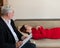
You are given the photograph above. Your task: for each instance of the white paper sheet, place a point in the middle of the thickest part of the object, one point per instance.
(25, 40)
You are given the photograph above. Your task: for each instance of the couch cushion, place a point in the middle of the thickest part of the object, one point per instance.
(47, 42)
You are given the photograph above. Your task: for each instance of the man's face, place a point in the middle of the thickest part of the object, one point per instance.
(10, 15)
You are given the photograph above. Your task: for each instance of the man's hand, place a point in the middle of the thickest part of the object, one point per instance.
(18, 44)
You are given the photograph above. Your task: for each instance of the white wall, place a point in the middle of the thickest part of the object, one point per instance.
(36, 9)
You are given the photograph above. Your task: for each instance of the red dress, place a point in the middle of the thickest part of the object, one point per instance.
(40, 33)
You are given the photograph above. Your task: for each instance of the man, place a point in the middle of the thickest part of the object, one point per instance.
(10, 37)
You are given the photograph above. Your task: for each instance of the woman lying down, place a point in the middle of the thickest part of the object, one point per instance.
(39, 32)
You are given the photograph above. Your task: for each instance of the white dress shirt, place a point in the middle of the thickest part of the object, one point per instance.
(11, 29)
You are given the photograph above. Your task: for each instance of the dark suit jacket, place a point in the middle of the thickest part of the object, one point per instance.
(6, 38)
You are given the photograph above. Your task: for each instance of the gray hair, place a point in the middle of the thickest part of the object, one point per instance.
(6, 9)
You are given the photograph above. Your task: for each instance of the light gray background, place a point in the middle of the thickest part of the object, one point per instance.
(36, 9)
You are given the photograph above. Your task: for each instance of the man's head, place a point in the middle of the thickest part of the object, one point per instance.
(7, 11)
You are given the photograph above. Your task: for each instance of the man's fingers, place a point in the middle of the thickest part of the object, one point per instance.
(20, 42)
